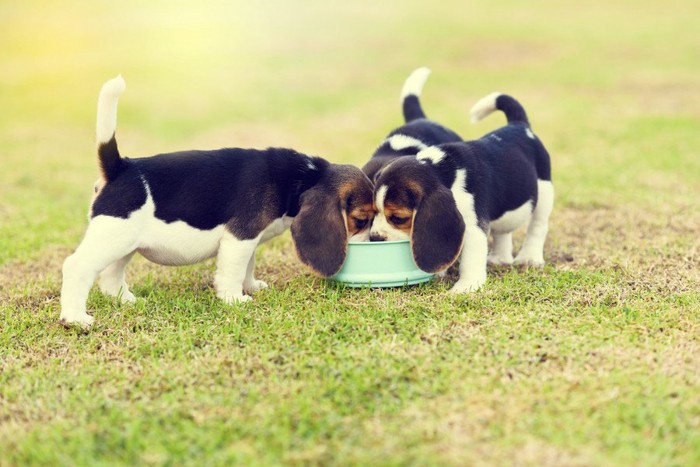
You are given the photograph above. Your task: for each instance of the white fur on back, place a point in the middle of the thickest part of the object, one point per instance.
(484, 107)
(399, 142)
(107, 108)
(414, 83)
(432, 153)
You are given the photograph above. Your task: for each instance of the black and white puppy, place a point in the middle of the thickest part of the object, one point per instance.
(417, 134)
(449, 197)
(182, 208)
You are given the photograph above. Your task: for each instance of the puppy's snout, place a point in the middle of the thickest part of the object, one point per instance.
(375, 237)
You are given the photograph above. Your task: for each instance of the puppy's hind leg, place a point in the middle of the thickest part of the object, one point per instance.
(502, 249)
(232, 267)
(113, 282)
(107, 240)
(532, 251)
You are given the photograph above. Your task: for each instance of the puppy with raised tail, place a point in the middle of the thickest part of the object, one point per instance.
(182, 208)
(418, 132)
(450, 197)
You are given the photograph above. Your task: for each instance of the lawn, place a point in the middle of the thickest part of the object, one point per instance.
(592, 360)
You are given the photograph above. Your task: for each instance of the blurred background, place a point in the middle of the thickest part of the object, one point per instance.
(612, 87)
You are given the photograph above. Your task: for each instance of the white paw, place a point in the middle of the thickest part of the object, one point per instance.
(530, 260)
(467, 286)
(500, 260)
(252, 287)
(233, 298)
(83, 319)
(122, 293)
(128, 297)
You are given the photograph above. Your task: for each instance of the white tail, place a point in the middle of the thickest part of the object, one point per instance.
(484, 107)
(107, 108)
(414, 83)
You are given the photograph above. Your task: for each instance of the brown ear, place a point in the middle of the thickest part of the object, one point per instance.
(438, 231)
(319, 232)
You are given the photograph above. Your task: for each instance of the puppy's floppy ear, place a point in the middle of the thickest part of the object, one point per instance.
(438, 231)
(319, 232)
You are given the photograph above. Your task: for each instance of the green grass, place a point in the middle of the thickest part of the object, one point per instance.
(594, 360)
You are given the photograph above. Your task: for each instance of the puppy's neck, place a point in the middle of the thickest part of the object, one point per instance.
(442, 169)
(295, 173)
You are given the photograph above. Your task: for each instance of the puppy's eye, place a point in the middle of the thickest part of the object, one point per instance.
(398, 220)
(361, 223)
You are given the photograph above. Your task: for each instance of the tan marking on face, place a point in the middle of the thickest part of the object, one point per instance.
(347, 188)
(360, 211)
(395, 215)
(359, 219)
(415, 187)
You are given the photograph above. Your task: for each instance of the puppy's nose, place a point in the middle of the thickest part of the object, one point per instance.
(375, 237)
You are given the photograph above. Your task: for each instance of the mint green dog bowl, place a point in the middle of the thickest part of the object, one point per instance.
(380, 264)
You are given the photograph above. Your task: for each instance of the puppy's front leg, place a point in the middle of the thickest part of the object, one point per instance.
(232, 267)
(251, 284)
(472, 263)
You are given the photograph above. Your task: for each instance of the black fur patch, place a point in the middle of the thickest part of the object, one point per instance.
(502, 169)
(438, 231)
(121, 196)
(412, 109)
(319, 232)
(514, 112)
(244, 188)
(110, 160)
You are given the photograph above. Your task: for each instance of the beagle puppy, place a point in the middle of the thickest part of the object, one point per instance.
(417, 134)
(450, 197)
(184, 207)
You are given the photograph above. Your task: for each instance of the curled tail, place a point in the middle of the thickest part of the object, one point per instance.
(515, 113)
(107, 150)
(410, 94)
